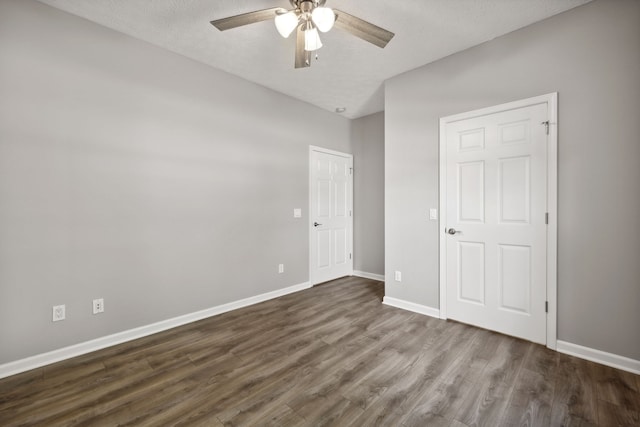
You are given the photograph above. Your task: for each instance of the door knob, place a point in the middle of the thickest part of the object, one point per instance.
(315, 224)
(453, 231)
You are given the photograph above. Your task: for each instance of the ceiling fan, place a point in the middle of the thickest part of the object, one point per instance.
(307, 17)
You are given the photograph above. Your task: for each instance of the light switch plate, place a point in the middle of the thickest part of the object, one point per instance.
(297, 213)
(433, 214)
(59, 313)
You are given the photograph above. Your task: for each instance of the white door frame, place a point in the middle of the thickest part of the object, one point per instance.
(551, 100)
(312, 148)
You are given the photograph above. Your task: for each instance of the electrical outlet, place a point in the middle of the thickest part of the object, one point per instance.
(59, 312)
(280, 268)
(398, 276)
(98, 306)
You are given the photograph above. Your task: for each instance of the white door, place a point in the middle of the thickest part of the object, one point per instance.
(331, 215)
(495, 225)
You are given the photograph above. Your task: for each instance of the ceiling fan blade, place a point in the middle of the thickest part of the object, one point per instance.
(303, 57)
(363, 29)
(245, 18)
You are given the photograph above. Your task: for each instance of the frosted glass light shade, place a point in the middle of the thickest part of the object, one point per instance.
(286, 23)
(324, 18)
(312, 40)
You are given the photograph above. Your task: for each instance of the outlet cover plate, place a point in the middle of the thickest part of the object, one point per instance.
(98, 306)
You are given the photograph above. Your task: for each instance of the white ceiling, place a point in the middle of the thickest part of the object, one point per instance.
(350, 72)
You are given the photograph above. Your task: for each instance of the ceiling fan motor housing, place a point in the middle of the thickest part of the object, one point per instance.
(307, 5)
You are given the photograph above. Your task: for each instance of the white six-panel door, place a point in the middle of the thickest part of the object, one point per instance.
(331, 215)
(495, 224)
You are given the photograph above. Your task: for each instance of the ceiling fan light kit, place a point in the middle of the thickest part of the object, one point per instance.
(286, 23)
(309, 16)
(311, 39)
(324, 18)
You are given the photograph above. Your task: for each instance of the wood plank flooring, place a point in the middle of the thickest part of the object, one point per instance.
(332, 355)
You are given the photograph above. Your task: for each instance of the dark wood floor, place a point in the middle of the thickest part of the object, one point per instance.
(331, 355)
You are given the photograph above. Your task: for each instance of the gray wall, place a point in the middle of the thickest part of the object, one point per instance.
(130, 173)
(368, 151)
(591, 56)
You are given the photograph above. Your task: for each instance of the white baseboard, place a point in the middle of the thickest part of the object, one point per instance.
(58, 355)
(33, 362)
(598, 356)
(411, 306)
(372, 276)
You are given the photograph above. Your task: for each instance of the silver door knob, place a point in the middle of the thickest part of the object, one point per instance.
(315, 224)
(453, 231)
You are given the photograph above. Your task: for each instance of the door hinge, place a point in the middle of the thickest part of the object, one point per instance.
(546, 123)
(546, 218)
(350, 171)
(349, 256)
(546, 306)
(350, 213)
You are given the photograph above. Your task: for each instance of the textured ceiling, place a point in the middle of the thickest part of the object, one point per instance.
(349, 72)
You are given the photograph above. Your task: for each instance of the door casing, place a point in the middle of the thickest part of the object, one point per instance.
(551, 100)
